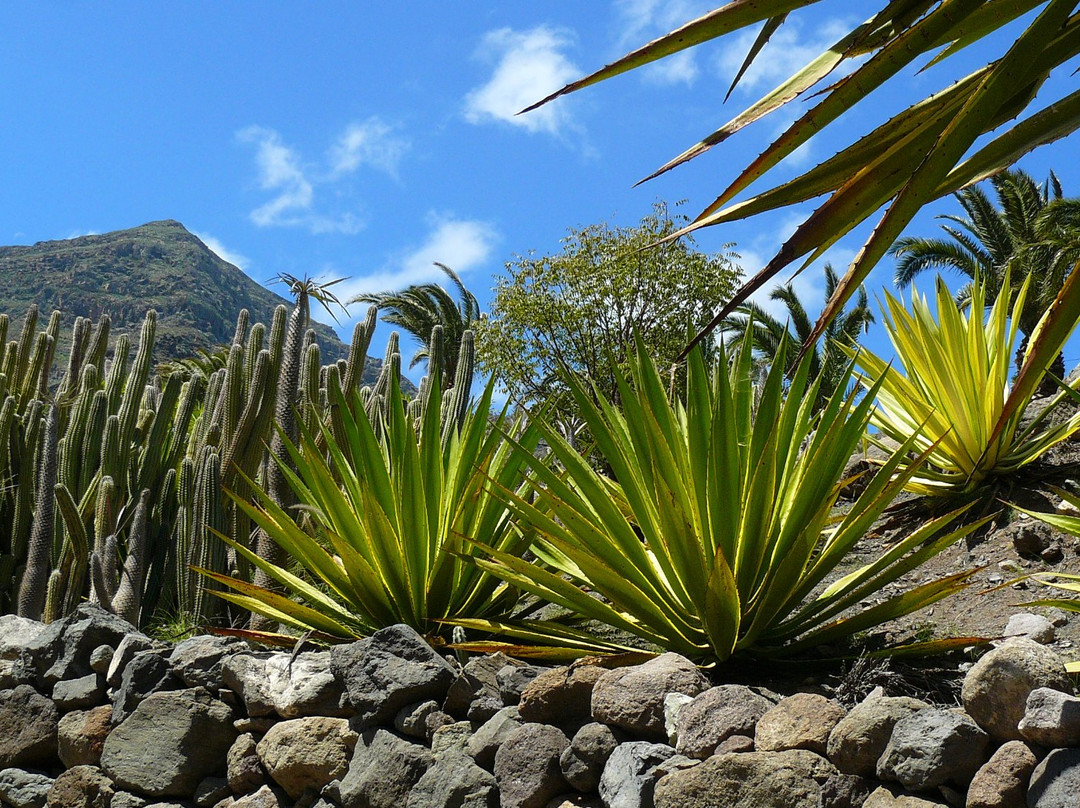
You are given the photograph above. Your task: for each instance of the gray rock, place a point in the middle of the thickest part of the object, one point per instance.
(170, 743)
(383, 771)
(1034, 627)
(630, 774)
(1051, 718)
(454, 782)
(796, 777)
(527, 766)
(129, 646)
(391, 668)
(81, 787)
(1056, 780)
(306, 687)
(263, 798)
(1003, 780)
(211, 791)
(243, 769)
(13, 674)
(489, 736)
(79, 694)
(801, 721)
(452, 739)
(197, 661)
(561, 696)
(125, 799)
(81, 736)
(306, 753)
(932, 748)
(22, 789)
(996, 688)
(28, 724)
(421, 720)
(147, 672)
(476, 689)
(1029, 537)
(512, 679)
(717, 714)
(62, 649)
(633, 698)
(245, 675)
(16, 633)
(101, 658)
(582, 763)
(857, 741)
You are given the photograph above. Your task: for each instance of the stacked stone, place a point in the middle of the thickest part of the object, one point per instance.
(94, 714)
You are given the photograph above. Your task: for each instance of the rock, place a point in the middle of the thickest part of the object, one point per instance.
(16, 633)
(1003, 780)
(474, 694)
(933, 747)
(197, 661)
(452, 739)
(787, 779)
(734, 743)
(996, 688)
(454, 782)
(717, 714)
(28, 724)
(79, 694)
(421, 720)
(148, 672)
(101, 658)
(263, 798)
(630, 774)
(125, 799)
(582, 763)
(1034, 627)
(485, 742)
(512, 679)
(858, 740)
(291, 687)
(1029, 537)
(560, 696)
(170, 743)
(383, 771)
(527, 766)
(883, 798)
(243, 769)
(61, 650)
(81, 787)
(211, 791)
(1051, 718)
(801, 721)
(131, 645)
(307, 752)
(633, 698)
(81, 736)
(391, 668)
(1056, 780)
(673, 704)
(245, 675)
(21, 789)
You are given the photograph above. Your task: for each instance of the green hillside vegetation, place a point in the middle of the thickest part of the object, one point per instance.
(160, 265)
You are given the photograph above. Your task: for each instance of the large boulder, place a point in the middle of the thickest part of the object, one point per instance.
(383, 770)
(996, 689)
(859, 738)
(718, 714)
(388, 670)
(170, 743)
(933, 748)
(292, 687)
(632, 698)
(28, 723)
(307, 753)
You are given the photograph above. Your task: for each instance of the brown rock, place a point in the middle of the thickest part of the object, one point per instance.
(307, 752)
(857, 741)
(633, 698)
(560, 696)
(81, 736)
(1002, 782)
(245, 772)
(81, 787)
(801, 721)
(883, 798)
(716, 715)
(27, 728)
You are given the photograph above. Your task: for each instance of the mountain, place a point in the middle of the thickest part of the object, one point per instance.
(160, 265)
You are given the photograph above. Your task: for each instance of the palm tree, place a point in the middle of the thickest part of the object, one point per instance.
(417, 309)
(1033, 230)
(766, 333)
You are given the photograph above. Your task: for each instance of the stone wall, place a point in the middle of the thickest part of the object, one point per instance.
(94, 714)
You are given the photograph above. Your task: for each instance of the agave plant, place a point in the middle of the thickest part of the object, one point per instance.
(383, 518)
(953, 397)
(719, 536)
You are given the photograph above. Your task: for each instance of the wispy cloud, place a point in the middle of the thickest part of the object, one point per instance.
(642, 20)
(528, 66)
(461, 244)
(292, 181)
(789, 50)
(223, 252)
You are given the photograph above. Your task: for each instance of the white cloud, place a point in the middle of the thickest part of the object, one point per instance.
(461, 244)
(371, 142)
(529, 66)
(650, 18)
(786, 52)
(293, 181)
(223, 252)
(681, 68)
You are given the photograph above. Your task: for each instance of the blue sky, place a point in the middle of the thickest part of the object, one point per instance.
(367, 140)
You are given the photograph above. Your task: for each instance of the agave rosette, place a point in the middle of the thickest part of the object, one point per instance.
(720, 533)
(951, 393)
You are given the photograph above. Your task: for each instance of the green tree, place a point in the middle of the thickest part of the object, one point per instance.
(417, 309)
(767, 333)
(1033, 230)
(581, 308)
